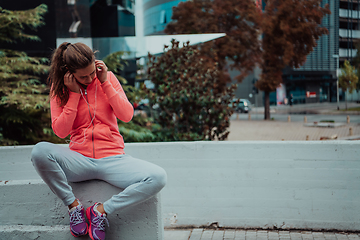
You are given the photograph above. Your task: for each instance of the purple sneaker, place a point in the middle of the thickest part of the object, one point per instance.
(78, 225)
(97, 223)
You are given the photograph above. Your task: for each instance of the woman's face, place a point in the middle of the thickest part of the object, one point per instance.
(86, 75)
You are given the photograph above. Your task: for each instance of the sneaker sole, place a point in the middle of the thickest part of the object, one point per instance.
(88, 217)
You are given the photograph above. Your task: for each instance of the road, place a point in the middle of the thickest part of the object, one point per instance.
(314, 112)
(283, 117)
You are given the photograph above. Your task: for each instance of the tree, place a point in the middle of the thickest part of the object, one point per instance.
(290, 30)
(238, 19)
(356, 62)
(23, 94)
(348, 78)
(19, 73)
(193, 104)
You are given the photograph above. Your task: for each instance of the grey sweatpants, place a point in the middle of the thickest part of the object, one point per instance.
(58, 165)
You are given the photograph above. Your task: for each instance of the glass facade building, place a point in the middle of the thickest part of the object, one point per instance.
(157, 14)
(317, 76)
(315, 81)
(104, 24)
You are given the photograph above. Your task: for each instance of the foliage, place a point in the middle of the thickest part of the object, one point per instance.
(24, 126)
(20, 74)
(290, 30)
(356, 62)
(238, 19)
(24, 107)
(193, 103)
(20, 80)
(138, 129)
(348, 78)
(116, 64)
(13, 23)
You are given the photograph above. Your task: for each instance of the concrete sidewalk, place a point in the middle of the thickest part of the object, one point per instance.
(243, 130)
(234, 234)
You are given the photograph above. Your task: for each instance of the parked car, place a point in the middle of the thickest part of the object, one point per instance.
(244, 106)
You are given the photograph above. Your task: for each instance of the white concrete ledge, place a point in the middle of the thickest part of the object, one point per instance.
(17, 232)
(258, 184)
(31, 203)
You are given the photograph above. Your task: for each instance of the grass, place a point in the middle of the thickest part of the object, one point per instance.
(328, 121)
(352, 109)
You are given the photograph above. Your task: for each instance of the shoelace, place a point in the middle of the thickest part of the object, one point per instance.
(100, 221)
(75, 216)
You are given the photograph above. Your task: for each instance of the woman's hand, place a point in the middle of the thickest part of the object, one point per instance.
(71, 83)
(101, 71)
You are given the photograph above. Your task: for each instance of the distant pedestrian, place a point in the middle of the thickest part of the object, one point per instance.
(86, 101)
(291, 100)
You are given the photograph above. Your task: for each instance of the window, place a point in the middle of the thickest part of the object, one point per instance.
(163, 17)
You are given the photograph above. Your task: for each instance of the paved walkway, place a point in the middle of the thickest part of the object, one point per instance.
(285, 131)
(241, 128)
(232, 234)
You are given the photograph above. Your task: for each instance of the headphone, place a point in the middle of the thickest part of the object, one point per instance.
(92, 120)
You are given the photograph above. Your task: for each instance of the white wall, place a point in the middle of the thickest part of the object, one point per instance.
(252, 184)
(303, 185)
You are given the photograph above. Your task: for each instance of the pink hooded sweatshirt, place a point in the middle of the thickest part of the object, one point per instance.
(91, 118)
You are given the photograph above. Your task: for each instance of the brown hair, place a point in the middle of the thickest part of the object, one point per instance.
(67, 57)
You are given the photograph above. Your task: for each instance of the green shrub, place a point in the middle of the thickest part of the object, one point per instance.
(192, 96)
(137, 131)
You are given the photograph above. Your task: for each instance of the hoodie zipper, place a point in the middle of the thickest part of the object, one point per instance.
(93, 125)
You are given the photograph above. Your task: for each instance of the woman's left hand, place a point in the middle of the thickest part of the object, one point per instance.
(101, 70)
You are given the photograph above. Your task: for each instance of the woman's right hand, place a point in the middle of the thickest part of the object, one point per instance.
(71, 83)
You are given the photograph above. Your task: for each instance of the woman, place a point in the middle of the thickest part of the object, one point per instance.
(86, 101)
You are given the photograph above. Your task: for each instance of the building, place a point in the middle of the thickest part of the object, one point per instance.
(157, 14)
(119, 25)
(316, 80)
(95, 23)
(106, 26)
(349, 35)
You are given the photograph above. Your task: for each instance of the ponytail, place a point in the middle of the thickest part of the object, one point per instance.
(67, 57)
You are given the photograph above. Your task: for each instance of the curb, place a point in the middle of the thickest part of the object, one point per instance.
(15, 232)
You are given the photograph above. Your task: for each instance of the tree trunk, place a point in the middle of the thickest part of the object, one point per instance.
(345, 102)
(267, 106)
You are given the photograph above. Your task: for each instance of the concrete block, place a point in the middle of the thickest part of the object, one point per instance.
(22, 232)
(259, 184)
(31, 203)
(240, 184)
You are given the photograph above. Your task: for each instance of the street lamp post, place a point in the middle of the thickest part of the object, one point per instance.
(337, 81)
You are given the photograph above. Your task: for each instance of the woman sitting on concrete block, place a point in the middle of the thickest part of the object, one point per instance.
(86, 101)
